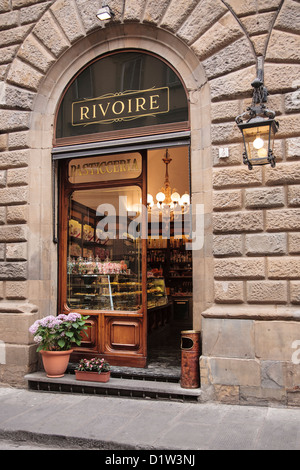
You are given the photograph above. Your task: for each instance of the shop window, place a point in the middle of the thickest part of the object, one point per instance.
(104, 249)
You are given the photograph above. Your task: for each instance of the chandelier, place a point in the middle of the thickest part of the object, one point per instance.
(166, 198)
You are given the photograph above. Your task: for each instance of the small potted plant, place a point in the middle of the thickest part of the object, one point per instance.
(95, 370)
(55, 337)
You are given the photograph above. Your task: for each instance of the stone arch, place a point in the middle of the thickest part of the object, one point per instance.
(116, 37)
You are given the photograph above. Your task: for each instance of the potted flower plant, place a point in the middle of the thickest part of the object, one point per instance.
(55, 337)
(95, 369)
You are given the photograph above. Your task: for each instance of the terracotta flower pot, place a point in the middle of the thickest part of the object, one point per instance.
(92, 376)
(56, 362)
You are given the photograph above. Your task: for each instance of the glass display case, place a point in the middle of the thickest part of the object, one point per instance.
(156, 292)
(114, 291)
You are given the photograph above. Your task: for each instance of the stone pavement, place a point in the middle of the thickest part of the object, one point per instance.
(78, 421)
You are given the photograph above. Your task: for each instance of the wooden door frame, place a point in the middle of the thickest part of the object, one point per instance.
(98, 344)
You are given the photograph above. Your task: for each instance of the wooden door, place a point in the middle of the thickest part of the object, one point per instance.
(104, 278)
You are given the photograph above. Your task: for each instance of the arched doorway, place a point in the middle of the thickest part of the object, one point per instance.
(105, 119)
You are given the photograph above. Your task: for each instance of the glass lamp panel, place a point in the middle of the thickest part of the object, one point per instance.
(257, 144)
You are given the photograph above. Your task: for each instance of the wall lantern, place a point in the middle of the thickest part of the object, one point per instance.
(258, 126)
(104, 13)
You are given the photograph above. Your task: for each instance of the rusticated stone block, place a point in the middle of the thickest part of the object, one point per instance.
(289, 17)
(15, 270)
(13, 196)
(227, 245)
(2, 178)
(16, 251)
(284, 173)
(237, 222)
(267, 292)
(2, 215)
(17, 158)
(294, 195)
(229, 292)
(292, 101)
(266, 244)
(36, 54)
(154, 11)
(294, 243)
(87, 12)
(225, 110)
(224, 200)
(221, 33)
(261, 24)
(239, 268)
(283, 219)
(17, 177)
(32, 13)
(17, 214)
(176, 12)
(16, 97)
(284, 268)
(293, 147)
(264, 197)
(133, 10)
(204, 15)
(236, 177)
(235, 155)
(16, 290)
(24, 75)
(233, 85)
(9, 20)
(18, 140)
(283, 47)
(225, 133)
(295, 292)
(7, 54)
(283, 76)
(13, 233)
(50, 35)
(13, 36)
(289, 125)
(11, 120)
(67, 16)
(240, 55)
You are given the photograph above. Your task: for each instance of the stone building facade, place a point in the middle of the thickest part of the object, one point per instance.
(246, 277)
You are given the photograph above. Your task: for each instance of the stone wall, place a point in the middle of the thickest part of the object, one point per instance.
(248, 275)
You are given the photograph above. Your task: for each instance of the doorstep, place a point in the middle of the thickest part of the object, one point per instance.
(121, 387)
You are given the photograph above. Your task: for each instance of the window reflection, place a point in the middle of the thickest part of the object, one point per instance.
(104, 249)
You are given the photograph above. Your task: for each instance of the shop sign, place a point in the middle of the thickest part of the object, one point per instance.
(105, 168)
(122, 106)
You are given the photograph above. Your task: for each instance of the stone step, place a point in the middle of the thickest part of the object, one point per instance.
(121, 387)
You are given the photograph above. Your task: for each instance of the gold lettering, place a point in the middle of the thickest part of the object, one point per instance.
(106, 109)
(85, 167)
(129, 106)
(153, 102)
(109, 163)
(78, 171)
(134, 165)
(73, 170)
(102, 170)
(114, 107)
(122, 165)
(83, 114)
(94, 111)
(116, 166)
(138, 105)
